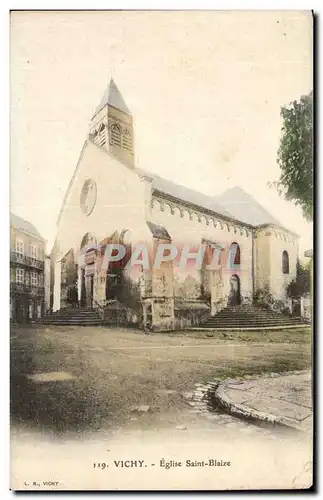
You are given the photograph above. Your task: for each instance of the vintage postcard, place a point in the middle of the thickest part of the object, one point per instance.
(161, 253)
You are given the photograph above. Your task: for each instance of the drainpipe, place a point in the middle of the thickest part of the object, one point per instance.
(147, 182)
(253, 264)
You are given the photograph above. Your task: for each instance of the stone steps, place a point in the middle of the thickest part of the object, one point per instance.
(252, 319)
(251, 323)
(73, 316)
(249, 316)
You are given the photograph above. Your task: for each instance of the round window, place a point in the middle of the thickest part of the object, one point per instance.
(88, 196)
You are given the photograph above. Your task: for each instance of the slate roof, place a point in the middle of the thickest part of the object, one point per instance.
(183, 193)
(244, 207)
(113, 97)
(234, 203)
(23, 225)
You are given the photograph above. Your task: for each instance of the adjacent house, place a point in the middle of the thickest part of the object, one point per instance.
(27, 265)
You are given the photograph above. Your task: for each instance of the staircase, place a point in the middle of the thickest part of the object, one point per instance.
(73, 316)
(250, 317)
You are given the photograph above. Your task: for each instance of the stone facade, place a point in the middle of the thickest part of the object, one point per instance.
(110, 200)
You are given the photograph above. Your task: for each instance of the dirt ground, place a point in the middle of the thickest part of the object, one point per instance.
(116, 370)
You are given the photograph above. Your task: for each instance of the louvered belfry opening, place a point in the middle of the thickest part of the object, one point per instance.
(127, 139)
(115, 134)
(111, 125)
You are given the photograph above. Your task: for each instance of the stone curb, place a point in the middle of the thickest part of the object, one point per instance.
(223, 401)
(213, 395)
(199, 398)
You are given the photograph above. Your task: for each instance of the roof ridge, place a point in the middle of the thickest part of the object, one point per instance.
(257, 216)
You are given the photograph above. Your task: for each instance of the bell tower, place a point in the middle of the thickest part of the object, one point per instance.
(111, 125)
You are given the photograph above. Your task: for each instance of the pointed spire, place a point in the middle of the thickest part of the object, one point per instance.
(113, 97)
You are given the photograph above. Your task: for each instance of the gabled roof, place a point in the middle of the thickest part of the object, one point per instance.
(23, 225)
(234, 203)
(244, 207)
(113, 97)
(183, 193)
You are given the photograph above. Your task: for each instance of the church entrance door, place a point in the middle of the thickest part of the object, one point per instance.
(234, 297)
(87, 288)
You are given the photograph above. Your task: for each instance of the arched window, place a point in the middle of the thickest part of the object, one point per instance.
(88, 240)
(115, 137)
(234, 254)
(285, 262)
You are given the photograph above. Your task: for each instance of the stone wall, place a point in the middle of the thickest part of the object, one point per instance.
(188, 226)
(117, 314)
(270, 243)
(190, 313)
(306, 308)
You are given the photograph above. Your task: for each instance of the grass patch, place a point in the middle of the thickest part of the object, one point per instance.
(295, 335)
(274, 365)
(45, 346)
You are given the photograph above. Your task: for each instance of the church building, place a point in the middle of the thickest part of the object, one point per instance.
(111, 200)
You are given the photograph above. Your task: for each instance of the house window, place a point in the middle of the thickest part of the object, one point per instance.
(20, 247)
(285, 262)
(20, 275)
(33, 252)
(34, 279)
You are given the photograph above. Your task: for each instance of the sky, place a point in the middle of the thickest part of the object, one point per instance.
(205, 89)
